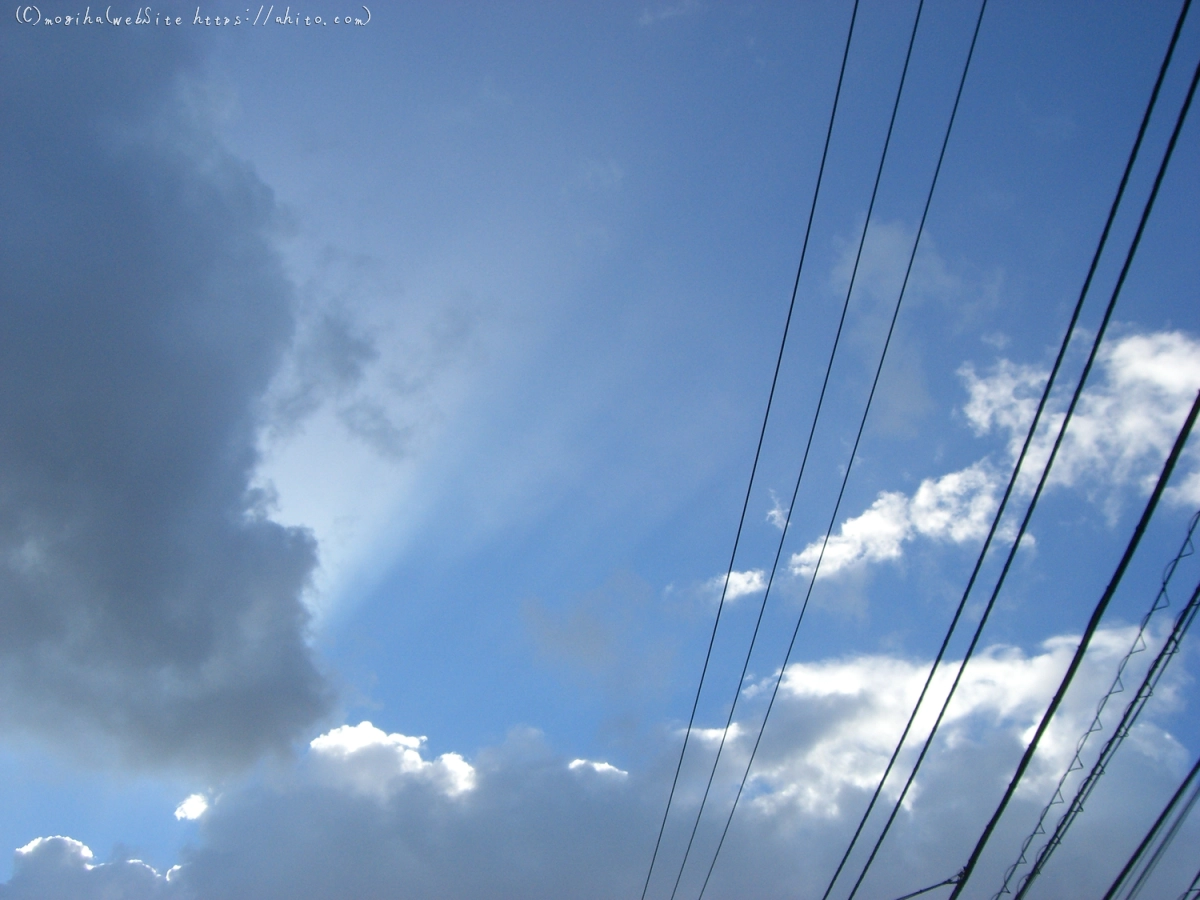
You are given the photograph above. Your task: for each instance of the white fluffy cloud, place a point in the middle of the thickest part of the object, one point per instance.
(956, 507)
(193, 807)
(601, 768)
(741, 584)
(372, 762)
(1003, 690)
(1121, 431)
(1124, 424)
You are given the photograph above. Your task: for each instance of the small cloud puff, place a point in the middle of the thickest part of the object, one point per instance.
(369, 761)
(714, 736)
(602, 767)
(777, 515)
(668, 11)
(740, 583)
(193, 807)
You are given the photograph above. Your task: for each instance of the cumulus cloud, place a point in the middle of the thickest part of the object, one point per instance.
(1119, 435)
(148, 600)
(860, 705)
(955, 508)
(1124, 425)
(366, 813)
(63, 867)
(372, 762)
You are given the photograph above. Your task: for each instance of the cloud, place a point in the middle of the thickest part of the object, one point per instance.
(777, 515)
(150, 606)
(956, 508)
(740, 584)
(371, 762)
(193, 807)
(601, 768)
(1124, 425)
(669, 11)
(56, 867)
(365, 813)
(1122, 430)
(860, 705)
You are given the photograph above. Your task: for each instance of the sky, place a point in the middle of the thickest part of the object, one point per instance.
(379, 400)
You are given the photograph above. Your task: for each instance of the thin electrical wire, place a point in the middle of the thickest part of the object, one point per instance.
(866, 411)
(758, 449)
(1165, 654)
(1158, 179)
(1132, 711)
(1067, 337)
(953, 879)
(1161, 601)
(1082, 380)
(1138, 853)
(1163, 845)
(816, 414)
(1193, 888)
(1089, 631)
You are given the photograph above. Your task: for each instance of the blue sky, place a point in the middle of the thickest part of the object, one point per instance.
(410, 374)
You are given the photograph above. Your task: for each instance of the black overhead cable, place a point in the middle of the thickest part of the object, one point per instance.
(1044, 476)
(757, 452)
(808, 444)
(1183, 621)
(1193, 889)
(816, 415)
(1158, 179)
(866, 410)
(1123, 875)
(1088, 632)
(1163, 845)
(1025, 447)
(953, 879)
(811, 432)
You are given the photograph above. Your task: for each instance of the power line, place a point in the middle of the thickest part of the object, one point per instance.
(808, 445)
(1161, 601)
(1123, 875)
(866, 411)
(1089, 631)
(953, 879)
(1163, 845)
(1158, 179)
(1193, 889)
(1020, 458)
(1082, 380)
(757, 453)
(1169, 648)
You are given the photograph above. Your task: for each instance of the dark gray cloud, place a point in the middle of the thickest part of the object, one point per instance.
(147, 599)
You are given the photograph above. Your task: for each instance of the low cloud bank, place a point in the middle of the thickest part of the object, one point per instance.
(367, 813)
